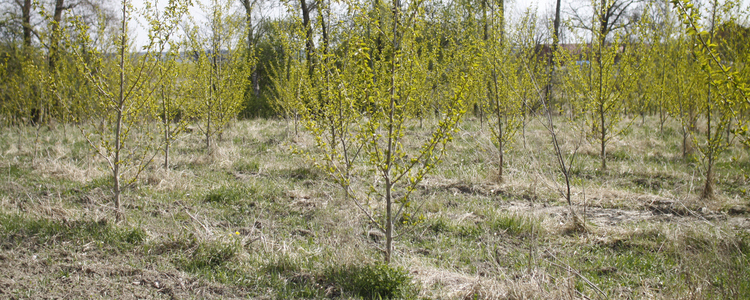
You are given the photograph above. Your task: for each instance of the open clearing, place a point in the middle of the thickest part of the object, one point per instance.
(256, 220)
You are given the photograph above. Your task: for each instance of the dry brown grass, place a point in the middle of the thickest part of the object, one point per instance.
(481, 238)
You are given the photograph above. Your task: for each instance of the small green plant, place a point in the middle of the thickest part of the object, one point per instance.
(440, 225)
(246, 166)
(100, 182)
(227, 194)
(513, 224)
(207, 256)
(469, 230)
(378, 281)
(304, 173)
(13, 171)
(80, 150)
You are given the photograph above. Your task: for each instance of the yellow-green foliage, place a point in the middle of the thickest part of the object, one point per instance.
(726, 91)
(125, 86)
(218, 71)
(601, 83)
(358, 103)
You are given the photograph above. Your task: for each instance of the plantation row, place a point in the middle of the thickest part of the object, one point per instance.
(355, 74)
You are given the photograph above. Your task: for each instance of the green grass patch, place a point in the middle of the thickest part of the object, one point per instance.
(301, 173)
(80, 150)
(229, 194)
(18, 230)
(101, 182)
(246, 166)
(207, 256)
(376, 281)
(440, 225)
(717, 266)
(513, 224)
(13, 171)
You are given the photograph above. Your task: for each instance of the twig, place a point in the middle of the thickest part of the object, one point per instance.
(574, 271)
(196, 219)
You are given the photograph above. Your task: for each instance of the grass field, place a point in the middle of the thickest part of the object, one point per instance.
(256, 220)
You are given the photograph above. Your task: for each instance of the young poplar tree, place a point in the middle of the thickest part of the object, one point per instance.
(220, 70)
(726, 87)
(360, 108)
(26, 100)
(662, 34)
(172, 102)
(535, 73)
(290, 80)
(603, 83)
(4, 92)
(500, 71)
(643, 40)
(682, 84)
(124, 93)
(672, 74)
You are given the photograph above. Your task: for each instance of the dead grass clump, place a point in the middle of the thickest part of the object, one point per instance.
(224, 155)
(607, 198)
(172, 180)
(715, 261)
(691, 205)
(575, 225)
(66, 169)
(94, 197)
(445, 284)
(53, 211)
(537, 284)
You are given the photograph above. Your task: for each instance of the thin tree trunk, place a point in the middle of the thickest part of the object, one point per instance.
(18, 143)
(708, 189)
(523, 127)
(296, 123)
(551, 62)
(485, 38)
(55, 35)
(662, 119)
(391, 139)
(54, 44)
(309, 45)
(389, 219)
(120, 108)
(166, 149)
(323, 30)
(547, 105)
(603, 138)
(208, 133)
(600, 97)
(36, 142)
(167, 139)
(254, 77)
(500, 142)
(499, 116)
(684, 142)
(26, 23)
